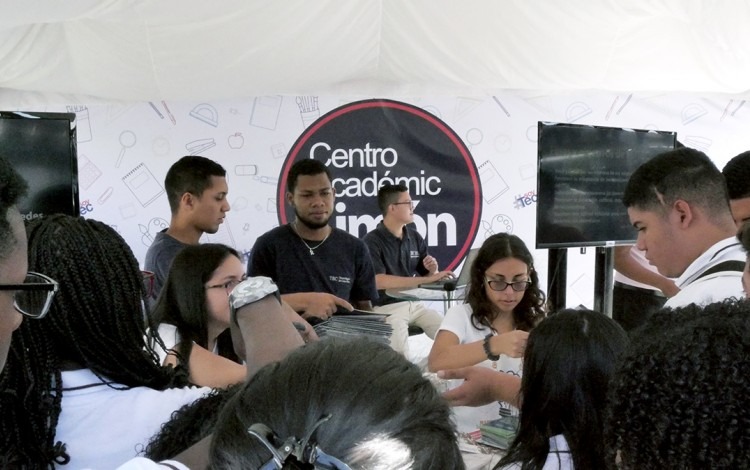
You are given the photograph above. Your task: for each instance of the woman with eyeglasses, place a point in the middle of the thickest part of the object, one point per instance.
(192, 312)
(503, 303)
(90, 343)
(84, 386)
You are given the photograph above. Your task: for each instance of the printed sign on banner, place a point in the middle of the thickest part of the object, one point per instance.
(366, 144)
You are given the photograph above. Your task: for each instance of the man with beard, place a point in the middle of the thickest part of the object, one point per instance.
(319, 269)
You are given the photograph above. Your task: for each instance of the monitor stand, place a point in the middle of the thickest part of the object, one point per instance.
(603, 279)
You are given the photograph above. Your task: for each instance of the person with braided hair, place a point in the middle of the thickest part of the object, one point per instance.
(68, 374)
(83, 386)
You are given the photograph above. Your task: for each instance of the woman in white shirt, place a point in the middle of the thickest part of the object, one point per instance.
(503, 303)
(82, 386)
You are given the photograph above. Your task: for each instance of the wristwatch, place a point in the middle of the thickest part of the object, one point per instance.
(250, 290)
(487, 350)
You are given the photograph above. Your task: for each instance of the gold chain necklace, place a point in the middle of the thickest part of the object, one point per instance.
(311, 248)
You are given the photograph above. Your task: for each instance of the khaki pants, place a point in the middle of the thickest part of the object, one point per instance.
(403, 314)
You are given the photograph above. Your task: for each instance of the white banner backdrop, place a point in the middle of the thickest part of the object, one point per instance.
(124, 152)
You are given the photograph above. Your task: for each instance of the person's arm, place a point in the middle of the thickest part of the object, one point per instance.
(626, 264)
(429, 264)
(308, 334)
(448, 353)
(262, 333)
(315, 304)
(481, 386)
(210, 370)
(389, 281)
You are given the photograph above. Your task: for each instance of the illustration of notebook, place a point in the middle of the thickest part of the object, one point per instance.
(141, 182)
(463, 277)
(493, 185)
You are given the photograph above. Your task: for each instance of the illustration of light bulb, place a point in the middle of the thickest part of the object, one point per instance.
(308, 109)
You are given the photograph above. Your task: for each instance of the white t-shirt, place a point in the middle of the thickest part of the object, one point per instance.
(170, 336)
(142, 463)
(559, 457)
(714, 287)
(104, 427)
(458, 321)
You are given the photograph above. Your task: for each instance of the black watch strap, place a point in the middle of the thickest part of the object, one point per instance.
(487, 350)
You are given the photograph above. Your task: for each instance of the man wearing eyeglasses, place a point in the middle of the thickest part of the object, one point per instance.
(399, 255)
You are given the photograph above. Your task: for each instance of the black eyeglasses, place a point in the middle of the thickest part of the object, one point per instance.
(411, 203)
(518, 286)
(34, 297)
(227, 286)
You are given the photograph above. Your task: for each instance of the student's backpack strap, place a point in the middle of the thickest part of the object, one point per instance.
(723, 266)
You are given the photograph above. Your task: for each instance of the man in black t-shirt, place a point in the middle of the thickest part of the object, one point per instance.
(319, 269)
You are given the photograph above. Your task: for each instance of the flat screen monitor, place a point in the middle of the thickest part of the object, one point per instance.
(581, 176)
(42, 148)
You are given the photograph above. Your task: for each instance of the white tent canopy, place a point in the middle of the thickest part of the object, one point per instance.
(138, 50)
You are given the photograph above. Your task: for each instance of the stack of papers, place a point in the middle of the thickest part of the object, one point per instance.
(422, 293)
(356, 323)
(499, 432)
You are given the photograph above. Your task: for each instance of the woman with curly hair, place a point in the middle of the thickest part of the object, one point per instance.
(680, 398)
(570, 358)
(503, 304)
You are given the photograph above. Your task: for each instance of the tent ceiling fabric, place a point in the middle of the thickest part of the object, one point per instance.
(140, 50)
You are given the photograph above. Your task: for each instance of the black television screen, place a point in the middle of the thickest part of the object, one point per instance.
(42, 148)
(581, 176)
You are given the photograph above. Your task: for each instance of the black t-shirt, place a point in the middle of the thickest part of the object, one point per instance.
(341, 266)
(396, 256)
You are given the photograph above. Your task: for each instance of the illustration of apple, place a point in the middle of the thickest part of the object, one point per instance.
(236, 141)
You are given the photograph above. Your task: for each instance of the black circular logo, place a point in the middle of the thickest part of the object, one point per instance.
(366, 144)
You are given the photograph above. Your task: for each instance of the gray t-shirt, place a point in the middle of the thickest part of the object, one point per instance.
(159, 258)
